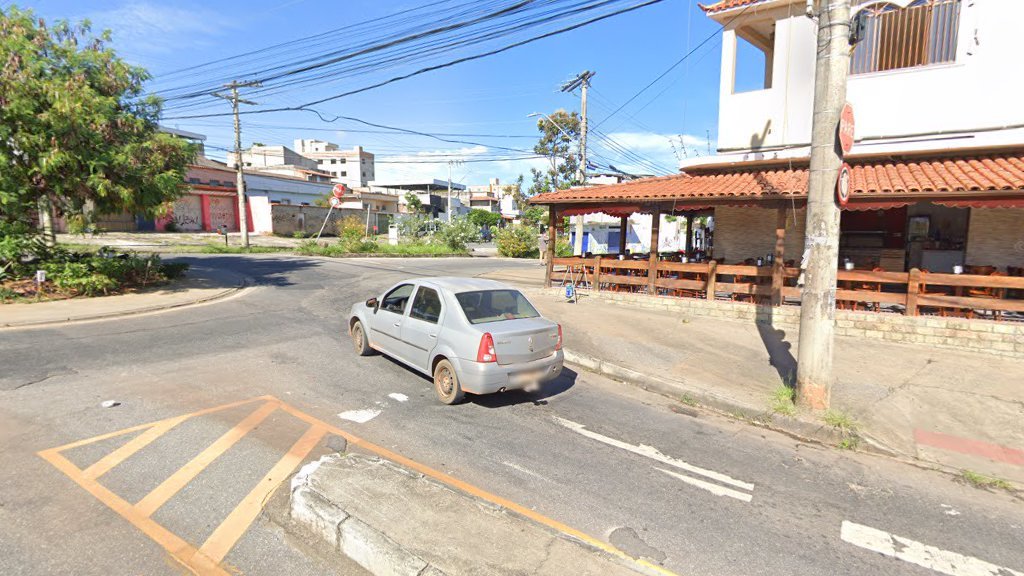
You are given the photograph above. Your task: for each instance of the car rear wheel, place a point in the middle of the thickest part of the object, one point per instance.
(359, 341)
(446, 383)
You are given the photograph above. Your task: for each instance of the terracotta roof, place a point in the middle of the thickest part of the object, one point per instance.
(727, 5)
(871, 178)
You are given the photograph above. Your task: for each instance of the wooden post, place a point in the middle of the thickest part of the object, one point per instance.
(913, 287)
(778, 264)
(712, 280)
(689, 235)
(552, 238)
(652, 265)
(597, 274)
(623, 228)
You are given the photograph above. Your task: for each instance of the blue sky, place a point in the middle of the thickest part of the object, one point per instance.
(489, 96)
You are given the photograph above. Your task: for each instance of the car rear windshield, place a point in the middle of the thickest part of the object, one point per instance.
(495, 305)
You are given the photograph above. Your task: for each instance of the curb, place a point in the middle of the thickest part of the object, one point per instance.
(244, 282)
(350, 536)
(794, 427)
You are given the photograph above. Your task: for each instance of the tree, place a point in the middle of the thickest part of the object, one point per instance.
(76, 129)
(535, 216)
(559, 142)
(413, 203)
(481, 218)
(515, 189)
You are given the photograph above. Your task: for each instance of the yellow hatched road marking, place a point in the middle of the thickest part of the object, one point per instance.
(205, 561)
(230, 530)
(151, 502)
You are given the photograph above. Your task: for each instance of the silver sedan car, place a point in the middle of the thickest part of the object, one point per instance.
(470, 335)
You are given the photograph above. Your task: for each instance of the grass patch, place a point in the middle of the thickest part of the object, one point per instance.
(338, 249)
(841, 420)
(781, 401)
(222, 249)
(849, 443)
(981, 481)
(688, 400)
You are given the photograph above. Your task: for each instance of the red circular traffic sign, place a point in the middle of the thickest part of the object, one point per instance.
(339, 190)
(843, 185)
(846, 128)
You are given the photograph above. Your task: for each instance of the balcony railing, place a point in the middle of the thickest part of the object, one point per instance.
(921, 34)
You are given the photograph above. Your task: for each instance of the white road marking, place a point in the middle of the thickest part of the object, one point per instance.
(949, 510)
(713, 488)
(360, 416)
(398, 396)
(654, 454)
(528, 472)
(930, 557)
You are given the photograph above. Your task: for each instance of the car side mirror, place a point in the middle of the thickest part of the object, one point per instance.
(372, 303)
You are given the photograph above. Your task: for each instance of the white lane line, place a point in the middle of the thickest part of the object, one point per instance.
(526, 471)
(713, 488)
(920, 554)
(654, 454)
(398, 396)
(360, 416)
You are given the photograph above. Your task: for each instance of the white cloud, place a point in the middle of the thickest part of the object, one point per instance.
(147, 28)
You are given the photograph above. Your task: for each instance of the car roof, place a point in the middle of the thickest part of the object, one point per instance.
(456, 284)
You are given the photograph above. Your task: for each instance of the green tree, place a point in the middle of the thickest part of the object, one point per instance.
(76, 129)
(535, 215)
(481, 218)
(413, 203)
(559, 143)
(515, 189)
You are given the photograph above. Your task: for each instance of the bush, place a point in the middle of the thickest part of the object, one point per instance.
(457, 233)
(563, 248)
(517, 242)
(18, 242)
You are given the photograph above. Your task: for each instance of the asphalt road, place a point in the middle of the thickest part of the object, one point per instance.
(693, 491)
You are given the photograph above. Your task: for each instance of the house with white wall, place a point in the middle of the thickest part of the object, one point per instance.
(353, 168)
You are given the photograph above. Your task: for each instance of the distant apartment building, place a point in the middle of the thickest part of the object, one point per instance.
(353, 168)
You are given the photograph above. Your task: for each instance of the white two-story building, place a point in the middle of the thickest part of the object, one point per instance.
(938, 160)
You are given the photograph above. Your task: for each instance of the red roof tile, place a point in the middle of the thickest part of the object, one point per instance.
(870, 178)
(727, 5)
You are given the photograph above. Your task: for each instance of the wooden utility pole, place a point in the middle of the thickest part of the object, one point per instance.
(582, 81)
(243, 219)
(818, 300)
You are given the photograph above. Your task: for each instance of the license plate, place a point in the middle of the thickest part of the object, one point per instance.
(527, 377)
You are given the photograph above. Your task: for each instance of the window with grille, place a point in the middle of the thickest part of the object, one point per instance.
(923, 33)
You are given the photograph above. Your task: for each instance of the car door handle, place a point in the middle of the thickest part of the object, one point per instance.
(434, 336)
(397, 324)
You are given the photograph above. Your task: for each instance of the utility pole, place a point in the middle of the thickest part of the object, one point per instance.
(582, 81)
(818, 300)
(450, 164)
(243, 219)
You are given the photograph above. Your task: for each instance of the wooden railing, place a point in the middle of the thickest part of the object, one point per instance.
(914, 290)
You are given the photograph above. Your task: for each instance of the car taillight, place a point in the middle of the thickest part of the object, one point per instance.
(485, 353)
(558, 345)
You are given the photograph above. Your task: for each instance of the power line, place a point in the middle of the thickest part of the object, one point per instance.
(442, 65)
(673, 66)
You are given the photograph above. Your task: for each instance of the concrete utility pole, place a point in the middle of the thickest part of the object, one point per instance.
(818, 300)
(243, 219)
(582, 81)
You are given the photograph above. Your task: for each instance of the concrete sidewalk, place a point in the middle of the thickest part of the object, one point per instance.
(200, 284)
(393, 521)
(958, 409)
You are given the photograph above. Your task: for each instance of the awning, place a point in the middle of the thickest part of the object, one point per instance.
(969, 180)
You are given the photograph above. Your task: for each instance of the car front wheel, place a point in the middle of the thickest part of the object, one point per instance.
(446, 383)
(359, 341)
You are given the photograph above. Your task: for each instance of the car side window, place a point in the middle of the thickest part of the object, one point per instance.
(396, 300)
(426, 305)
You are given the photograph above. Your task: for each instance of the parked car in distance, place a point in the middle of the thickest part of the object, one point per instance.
(468, 334)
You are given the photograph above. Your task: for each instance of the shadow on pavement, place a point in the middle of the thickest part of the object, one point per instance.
(547, 390)
(265, 271)
(779, 354)
(565, 381)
